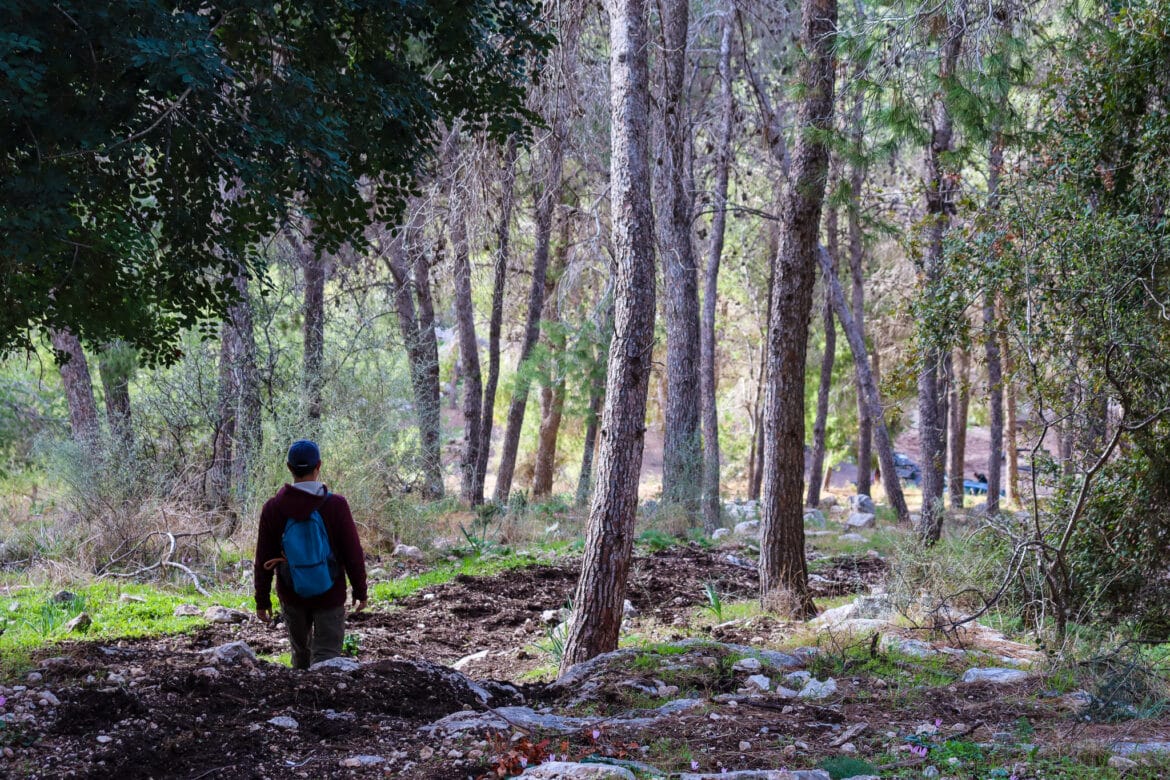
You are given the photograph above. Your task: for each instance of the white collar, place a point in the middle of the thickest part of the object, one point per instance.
(312, 487)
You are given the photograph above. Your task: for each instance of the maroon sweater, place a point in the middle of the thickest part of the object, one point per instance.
(290, 502)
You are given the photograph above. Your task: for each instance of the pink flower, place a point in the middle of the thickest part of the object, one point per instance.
(523, 760)
(694, 764)
(596, 734)
(3, 701)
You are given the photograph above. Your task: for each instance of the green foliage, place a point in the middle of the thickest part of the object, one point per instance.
(714, 601)
(840, 767)
(351, 645)
(151, 144)
(656, 540)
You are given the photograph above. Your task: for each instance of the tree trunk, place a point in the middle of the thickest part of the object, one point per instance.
(552, 406)
(430, 410)
(470, 487)
(116, 368)
(783, 568)
(1011, 440)
(546, 200)
(682, 462)
(708, 379)
(869, 383)
(857, 275)
(83, 416)
(223, 444)
(423, 376)
(995, 387)
(313, 264)
(960, 399)
(941, 185)
(249, 427)
(756, 481)
(585, 480)
(609, 537)
(500, 273)
(816, 469)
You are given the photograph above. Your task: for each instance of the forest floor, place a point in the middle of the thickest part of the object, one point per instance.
(860, 691)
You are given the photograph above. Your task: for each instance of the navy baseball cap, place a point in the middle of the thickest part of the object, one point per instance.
(303, 454)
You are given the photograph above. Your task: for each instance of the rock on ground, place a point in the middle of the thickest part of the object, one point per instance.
(232, 652)
(861, 520)
(406, 551)
(748, 528)
(566, 770)
(720, 533)
(993, 675)
(862, 503)
(225, 615)
(338, 664)
(761, 774)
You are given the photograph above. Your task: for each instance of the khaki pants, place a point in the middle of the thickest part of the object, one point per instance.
(315, 634)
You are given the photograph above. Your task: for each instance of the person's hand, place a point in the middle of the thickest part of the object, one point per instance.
(264, 615)
(358, 606)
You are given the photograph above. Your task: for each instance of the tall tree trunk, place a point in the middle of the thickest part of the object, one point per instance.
(116, 365)
(960, 399)
(313, 264)
(398, 260)
(223, 445)
(552, 406)
(609, 537)
(756, 482)
(249, 428)
(470, 488)
(869, 384)
(585, 480)
(941, 188)
(708, 379)
(682, 461)
(500, 273)
(857, 275)
(547, 197)
(83, 415)
(816, 468)
(430, 404)
(1011, 439)
(995, 387)
(783, 568)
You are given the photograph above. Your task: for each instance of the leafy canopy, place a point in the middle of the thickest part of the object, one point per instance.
(147, 146)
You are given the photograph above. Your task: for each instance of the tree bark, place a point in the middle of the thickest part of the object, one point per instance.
(783, 568)
(249, 428)
(816, 469)
(116, 368)
(755, 484)
(430, 407)
(960, 399)
(995, 389)
(1011, 440)
(552, 406)
(503, 229)
(941, 184)
(682, 462)
(585, 479)
(609, 538)
(547, 198)
(423, 381)
(223, 445)
(83, 416)
(869, 383)
(708, 379)
(470, 487)
(857, 275)
(314, 267)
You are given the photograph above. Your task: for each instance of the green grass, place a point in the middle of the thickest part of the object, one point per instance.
(33, 622)
(474, 566)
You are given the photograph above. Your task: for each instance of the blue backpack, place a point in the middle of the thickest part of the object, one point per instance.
(309, 566)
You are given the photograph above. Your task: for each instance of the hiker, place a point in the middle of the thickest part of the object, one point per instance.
(308, 537)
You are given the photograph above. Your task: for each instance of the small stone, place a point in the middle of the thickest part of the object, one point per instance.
(744, 746)
(426, 752)
(930, 771)
(747, 665)
(720, 533)
(1122, 763)
(815, 518)
(817, 689)
(628, 609)
(284, 722)
(130, 598)
(861, 520)
(428, 597)
(80, 623)
(64, 597)
(232, 652)
(996, 676)
(862, 503)
(219, 614)
(34, 677)
(187, 610)
(748, 528)
(338, 664)
(759, 681)
(407, 551)
(355, 762)
(848, 747)
(49, 700)
(851, 537)
(104, 739)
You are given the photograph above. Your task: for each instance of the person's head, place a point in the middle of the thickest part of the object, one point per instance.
(304, 459)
